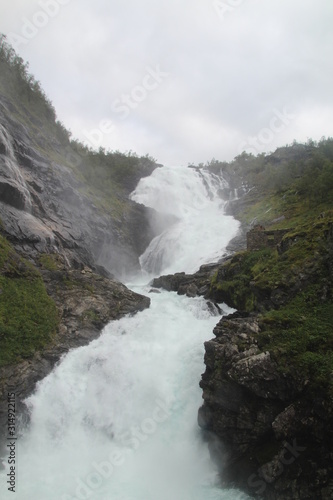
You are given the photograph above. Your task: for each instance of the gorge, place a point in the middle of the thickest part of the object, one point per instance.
(105, 375)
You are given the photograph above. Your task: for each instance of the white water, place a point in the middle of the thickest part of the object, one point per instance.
(202, 232)
(116, 420)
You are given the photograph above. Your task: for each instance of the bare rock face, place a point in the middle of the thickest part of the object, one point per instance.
(11, 193)
(45, 206)
(264, 430)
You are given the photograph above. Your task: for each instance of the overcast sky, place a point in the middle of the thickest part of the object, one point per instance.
(181, 80)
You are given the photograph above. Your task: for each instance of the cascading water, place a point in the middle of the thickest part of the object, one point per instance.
(13, 170)
(116, 420)
(202, 232)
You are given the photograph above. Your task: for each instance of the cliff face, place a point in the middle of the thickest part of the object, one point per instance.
(275, 435)
(45, 207)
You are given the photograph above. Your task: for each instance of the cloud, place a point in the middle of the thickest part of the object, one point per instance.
(226, 76)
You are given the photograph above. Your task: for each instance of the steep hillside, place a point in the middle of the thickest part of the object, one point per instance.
(85, 190)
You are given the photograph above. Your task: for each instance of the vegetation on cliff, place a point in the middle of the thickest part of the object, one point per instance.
(291, 285)
(298, 169)
(28, 316)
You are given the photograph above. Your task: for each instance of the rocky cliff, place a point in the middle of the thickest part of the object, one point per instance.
(47, 207)
(55, 292)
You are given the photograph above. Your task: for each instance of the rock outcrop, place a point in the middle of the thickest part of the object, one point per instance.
(269, 434)
(259, 238)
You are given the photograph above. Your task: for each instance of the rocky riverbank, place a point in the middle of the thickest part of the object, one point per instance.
(271, 435)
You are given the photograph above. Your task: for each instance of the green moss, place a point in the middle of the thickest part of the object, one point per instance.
(49, 261)
(89, 288)
(5, 251)
(71, 283)
(232, 282)
(91, 316)
(28, 316)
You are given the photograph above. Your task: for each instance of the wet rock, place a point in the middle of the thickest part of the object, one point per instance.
(188, 284)
(192, 290)
(12, 194)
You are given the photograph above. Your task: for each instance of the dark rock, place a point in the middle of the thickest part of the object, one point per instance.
(192, 290)
(171, 282)
(12, 194)
(272, 440)
(214, 308)
(188, 284)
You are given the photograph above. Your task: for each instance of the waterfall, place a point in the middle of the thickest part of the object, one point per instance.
(12, 170)
(202, 231)
(117, 419)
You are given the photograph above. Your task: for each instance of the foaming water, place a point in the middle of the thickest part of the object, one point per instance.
(202, 231)
(117, 419)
